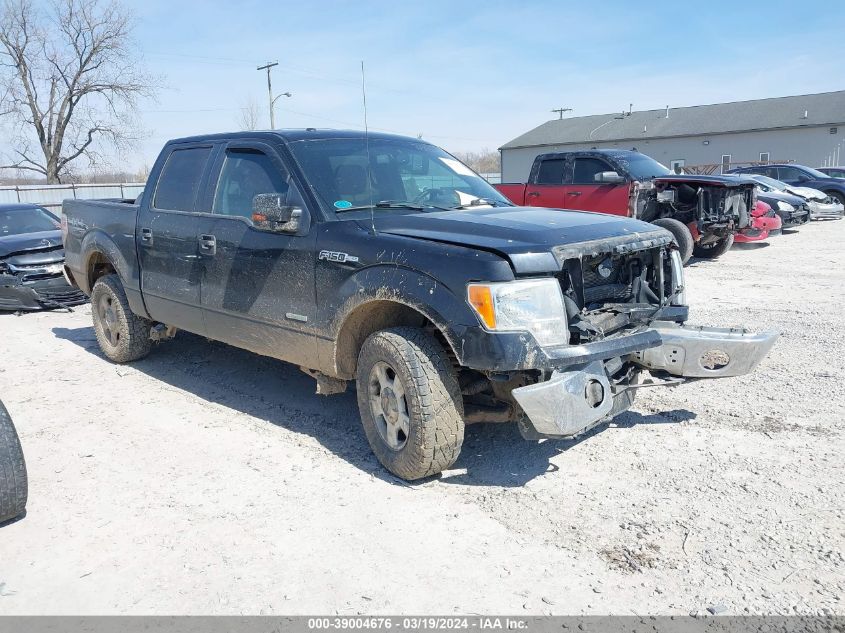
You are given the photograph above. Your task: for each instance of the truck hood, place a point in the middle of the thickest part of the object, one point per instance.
(43, 240)
(532, 238)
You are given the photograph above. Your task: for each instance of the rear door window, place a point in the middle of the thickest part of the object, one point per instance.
(790, 173)
(550, 171)
(179, 181)
(585, 169)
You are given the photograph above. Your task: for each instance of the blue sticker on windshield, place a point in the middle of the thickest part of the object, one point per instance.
(342, 204)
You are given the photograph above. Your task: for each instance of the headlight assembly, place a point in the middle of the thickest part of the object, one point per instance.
(785, 206)
(529, 305)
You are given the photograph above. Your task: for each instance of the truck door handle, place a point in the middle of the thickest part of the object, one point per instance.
(208, 244)
(147, 236)
(574, 193)
(533, 194)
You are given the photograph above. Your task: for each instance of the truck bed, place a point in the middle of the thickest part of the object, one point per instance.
(106, 221)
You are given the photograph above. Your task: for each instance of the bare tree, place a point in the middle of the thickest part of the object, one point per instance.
(250, 116)
(484, 162)
(69, 83)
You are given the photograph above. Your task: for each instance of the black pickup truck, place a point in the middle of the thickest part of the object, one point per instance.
(386, 261)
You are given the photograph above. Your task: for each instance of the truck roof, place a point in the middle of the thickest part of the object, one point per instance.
(292, 135)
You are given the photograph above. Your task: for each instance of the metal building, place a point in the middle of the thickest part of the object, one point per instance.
(807, 129)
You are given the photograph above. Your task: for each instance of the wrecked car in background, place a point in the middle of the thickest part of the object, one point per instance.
(384, 260)
(765, 223)
(825, 194)
(32, 260)
(792, 209)
(701, 212)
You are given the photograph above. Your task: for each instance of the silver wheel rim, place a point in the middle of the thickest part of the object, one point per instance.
(108, 319)
(389, 405)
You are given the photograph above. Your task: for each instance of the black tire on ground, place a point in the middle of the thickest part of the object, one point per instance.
(13, 482)
(714, 249)
(123, 336)
(682, 235)
(426, 405)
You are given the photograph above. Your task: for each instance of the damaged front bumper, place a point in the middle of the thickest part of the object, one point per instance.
(18, 294)
(578, 398)
(822, 211)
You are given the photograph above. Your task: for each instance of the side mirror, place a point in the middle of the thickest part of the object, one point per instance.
(608, 177)
(269, 213)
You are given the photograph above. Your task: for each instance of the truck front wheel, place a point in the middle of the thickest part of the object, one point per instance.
(410, 402)
(712, 250)
(681, 233)
(123, 336)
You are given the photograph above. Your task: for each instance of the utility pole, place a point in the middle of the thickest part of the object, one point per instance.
(267, 67)
(561, 111)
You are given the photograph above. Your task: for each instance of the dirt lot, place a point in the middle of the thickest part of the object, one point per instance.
(205, 479)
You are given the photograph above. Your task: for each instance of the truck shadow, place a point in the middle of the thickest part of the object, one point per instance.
(280, 394)
(496, 454)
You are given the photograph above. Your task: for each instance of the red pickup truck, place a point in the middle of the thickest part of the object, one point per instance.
(701, 212)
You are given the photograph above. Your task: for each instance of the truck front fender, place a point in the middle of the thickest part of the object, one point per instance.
(379, 297)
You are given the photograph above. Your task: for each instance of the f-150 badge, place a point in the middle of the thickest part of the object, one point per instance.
(334, 256)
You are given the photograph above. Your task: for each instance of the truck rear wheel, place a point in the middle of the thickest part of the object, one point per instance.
(712, 250)
(410, 402)
(13, 482)
(123, 336)
(682, 235)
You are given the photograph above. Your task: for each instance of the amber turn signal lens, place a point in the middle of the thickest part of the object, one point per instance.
(481, 298)
(259, 217)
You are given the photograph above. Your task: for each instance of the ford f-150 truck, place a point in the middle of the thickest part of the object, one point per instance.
(701, 212)
(385, 261)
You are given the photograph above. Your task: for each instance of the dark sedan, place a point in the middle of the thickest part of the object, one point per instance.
(799, 176)
(32, 260)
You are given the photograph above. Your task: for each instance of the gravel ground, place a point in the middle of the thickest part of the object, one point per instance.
(205, 479)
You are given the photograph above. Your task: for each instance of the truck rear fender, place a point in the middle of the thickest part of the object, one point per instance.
(101, 256)
(382, 297)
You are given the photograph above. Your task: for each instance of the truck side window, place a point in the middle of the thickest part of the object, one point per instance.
(180, 179)
(551, 171)
(586, 169)
(245, 174)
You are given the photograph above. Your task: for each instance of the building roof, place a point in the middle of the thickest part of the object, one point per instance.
(719, 118)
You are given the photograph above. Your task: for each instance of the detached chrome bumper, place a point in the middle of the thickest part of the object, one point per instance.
(705, 352)
(573, 401)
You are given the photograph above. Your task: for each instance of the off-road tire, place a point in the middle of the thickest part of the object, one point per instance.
(133, 332)
(714, 250)
(433, 396)
(13, 482)
(681, 234)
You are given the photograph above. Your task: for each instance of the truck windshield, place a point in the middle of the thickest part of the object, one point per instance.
(402, 176)
(642, 167)
(26, 220)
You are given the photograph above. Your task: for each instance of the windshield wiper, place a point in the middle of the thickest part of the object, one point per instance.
(481, 202)
(392, 204)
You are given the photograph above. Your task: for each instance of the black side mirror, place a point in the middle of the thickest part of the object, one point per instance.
(269, 213)
(608, 178)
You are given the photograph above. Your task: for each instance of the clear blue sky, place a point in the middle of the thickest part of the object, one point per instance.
(469, 75)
